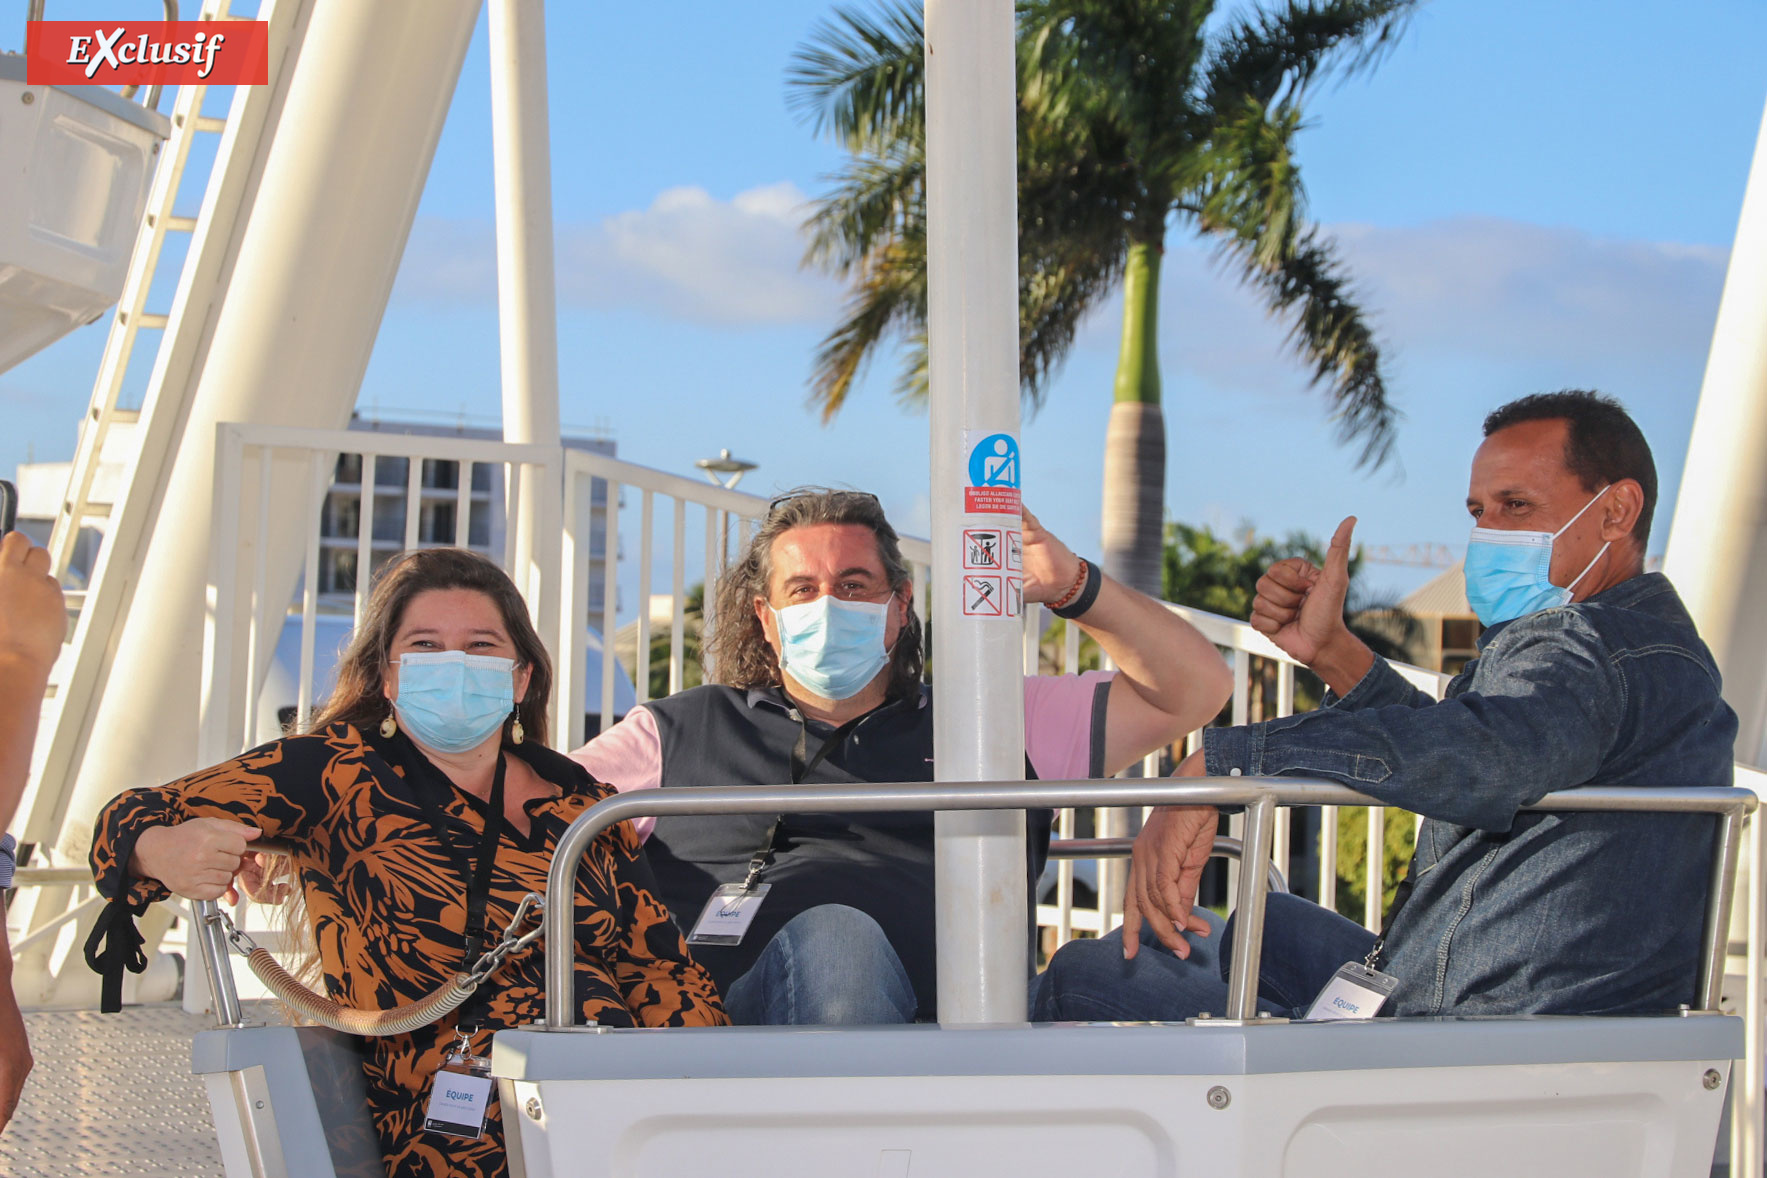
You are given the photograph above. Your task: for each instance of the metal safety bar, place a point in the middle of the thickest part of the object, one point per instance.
(1226, 846)
(1259, 796)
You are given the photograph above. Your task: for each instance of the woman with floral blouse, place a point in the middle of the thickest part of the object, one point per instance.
(385, 806)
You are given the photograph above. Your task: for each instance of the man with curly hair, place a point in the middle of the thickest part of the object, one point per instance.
(817, 658)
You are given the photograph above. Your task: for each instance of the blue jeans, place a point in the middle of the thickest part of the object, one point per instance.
(1088, 981)
(829, 966)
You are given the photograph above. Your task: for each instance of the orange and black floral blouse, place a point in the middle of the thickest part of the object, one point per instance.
(387, 904)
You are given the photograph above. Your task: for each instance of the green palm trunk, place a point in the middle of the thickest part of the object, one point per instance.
(1135, 441)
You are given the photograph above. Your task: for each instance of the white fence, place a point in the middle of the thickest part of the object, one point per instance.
(676, 516)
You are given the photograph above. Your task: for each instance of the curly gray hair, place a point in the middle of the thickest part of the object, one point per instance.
(739, 654)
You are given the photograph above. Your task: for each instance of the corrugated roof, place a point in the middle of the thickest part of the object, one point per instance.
(1441, 596)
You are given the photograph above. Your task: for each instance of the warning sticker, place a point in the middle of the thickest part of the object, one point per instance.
(1015, 551)
(983, 548)
(983, 596)
(993, 487)
(1015, 597)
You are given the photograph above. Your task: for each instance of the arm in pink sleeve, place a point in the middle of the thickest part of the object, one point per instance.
(627, 756)
(1060, 733)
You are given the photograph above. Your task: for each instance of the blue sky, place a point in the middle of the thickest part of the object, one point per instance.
(1531, 195)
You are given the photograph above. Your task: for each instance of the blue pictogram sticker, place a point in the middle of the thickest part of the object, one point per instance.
(994, 462)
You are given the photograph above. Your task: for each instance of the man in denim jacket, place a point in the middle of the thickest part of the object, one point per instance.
(1590, 671)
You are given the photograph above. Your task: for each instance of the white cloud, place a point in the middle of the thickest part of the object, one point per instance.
(688, 256)
(1458, 289)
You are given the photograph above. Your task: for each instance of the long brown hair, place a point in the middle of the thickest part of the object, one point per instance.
(360, 699)
(740, 656)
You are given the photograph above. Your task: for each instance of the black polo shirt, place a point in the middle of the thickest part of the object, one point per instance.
(881, 864)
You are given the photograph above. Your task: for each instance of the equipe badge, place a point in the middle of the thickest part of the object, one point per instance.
(728, 914)
(1355, 991)
(461, 1097)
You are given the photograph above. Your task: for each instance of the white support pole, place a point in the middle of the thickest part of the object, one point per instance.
(1717, 554)
(1748, 1079)
(1374, 877)
(972, 340)
(527, 298)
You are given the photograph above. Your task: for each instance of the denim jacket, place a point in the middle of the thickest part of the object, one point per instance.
(1514, 913)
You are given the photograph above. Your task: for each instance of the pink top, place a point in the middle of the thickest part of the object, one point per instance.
(1058, 738)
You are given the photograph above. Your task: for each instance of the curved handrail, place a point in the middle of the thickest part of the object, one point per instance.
(1259, 796)
(1226, 847)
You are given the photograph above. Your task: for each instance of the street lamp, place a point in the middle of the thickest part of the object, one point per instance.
(723, 464)
(726, 472)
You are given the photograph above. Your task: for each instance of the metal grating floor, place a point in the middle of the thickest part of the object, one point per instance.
(112, 1094)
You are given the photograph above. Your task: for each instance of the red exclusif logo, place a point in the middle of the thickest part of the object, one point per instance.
(147, 52)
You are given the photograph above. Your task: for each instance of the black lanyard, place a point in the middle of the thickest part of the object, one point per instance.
(477, 875)
(800, 769)
(1401, 894)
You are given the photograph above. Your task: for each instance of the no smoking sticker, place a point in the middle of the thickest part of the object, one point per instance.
(983, 596)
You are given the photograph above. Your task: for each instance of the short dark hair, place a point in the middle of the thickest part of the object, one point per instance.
(1603, 444)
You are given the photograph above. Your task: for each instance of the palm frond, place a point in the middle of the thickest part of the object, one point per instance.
(1117, 72)
(861, 77)
(912, 381)
(875, 199)
(1330, 331)
(1245, 180)
(1275, 55)
(888, 299)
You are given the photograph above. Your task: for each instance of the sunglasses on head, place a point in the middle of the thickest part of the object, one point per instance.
(789, 496)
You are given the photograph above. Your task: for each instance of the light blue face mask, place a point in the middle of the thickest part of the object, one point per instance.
(1507, 572)
(833, 647)
(452, 701)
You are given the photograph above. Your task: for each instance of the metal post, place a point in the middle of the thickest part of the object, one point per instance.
(1718, 544)
(1374, 870)
(213, 944)
(1747, 1082)
(527, 300)
(1248, 923)
(972, 342)
(1716, 942)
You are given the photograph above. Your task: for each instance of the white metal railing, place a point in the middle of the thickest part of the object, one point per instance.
(246, 613)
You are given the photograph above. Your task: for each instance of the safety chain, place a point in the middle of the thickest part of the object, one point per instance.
(493, 957)
(533, 904)
(237, 937)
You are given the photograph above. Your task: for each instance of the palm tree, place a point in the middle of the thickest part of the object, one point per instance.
(1134, 116)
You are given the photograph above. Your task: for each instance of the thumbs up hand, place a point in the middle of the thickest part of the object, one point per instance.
(1301, 606)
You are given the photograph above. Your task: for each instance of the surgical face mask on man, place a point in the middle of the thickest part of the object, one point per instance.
(1507, 572)
(452, 701)
(833, 647)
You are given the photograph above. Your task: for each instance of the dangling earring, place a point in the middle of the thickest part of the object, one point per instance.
(389, 726)
(516, 732)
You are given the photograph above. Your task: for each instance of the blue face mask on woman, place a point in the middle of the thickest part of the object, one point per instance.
(1507, 572)
(833, 647)
(452, 701)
